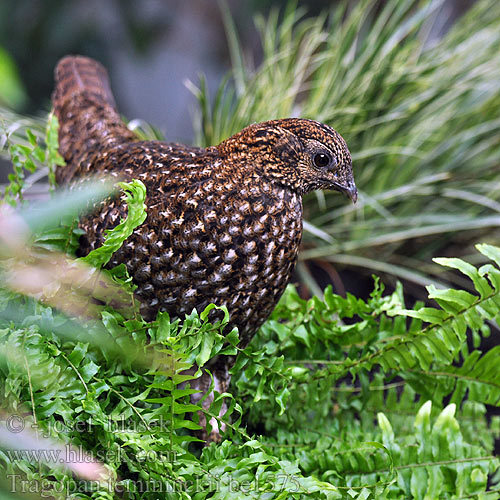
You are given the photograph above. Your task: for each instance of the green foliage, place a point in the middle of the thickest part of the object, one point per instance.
(23, 157)
(27, 157)
(434, 359)
(52, 157)
(135, 194)
(131, 408)
(334, 398)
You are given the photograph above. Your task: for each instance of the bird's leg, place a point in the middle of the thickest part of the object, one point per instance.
(220, 372)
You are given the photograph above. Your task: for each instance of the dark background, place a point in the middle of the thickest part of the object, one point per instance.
(150, 47)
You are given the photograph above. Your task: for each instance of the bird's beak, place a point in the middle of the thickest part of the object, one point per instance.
(348, 189)
(352, 193)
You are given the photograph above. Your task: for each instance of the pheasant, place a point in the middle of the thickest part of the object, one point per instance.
(224, 223)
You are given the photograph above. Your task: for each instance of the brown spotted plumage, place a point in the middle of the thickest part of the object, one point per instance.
(224, 223)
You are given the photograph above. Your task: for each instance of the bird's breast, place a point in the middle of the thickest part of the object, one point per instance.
(234, 246)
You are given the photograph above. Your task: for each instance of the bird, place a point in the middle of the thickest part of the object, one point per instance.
(224, 223)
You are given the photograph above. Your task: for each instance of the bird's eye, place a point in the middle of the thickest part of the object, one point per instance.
(321, 160)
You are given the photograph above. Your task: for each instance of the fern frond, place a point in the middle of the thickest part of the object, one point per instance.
(320, 349)
(478, 379)
(445, 334)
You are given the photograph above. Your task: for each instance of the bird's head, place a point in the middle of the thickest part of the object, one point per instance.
(300, 154)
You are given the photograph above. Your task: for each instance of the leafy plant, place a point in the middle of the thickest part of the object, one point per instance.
(133, 417)
(27, 157)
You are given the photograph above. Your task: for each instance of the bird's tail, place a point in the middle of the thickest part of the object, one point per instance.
(86, 110)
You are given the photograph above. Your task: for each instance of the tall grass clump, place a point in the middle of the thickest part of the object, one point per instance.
(420, 116)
